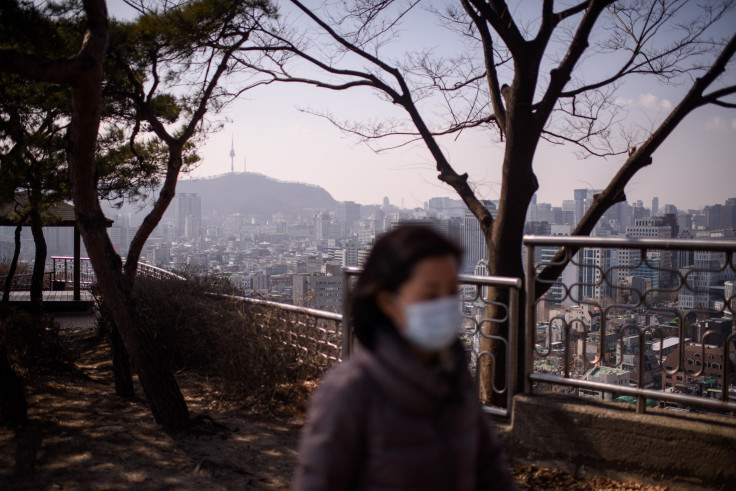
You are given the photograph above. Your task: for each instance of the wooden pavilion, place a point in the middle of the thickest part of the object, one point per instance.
(60, 215)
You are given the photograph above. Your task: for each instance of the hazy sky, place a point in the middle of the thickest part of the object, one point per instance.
(694, 168)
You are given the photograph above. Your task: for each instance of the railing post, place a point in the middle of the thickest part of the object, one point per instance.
(641, 402)
(513, 358)
(529, 318)
(347, 332)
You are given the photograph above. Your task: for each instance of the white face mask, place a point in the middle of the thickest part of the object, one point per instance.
(434, 324)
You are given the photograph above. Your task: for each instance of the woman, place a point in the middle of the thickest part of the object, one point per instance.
(402, 412)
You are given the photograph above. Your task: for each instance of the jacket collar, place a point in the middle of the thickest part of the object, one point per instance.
(407, 381)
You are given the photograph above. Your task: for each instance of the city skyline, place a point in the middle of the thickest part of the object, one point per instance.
(647, 203)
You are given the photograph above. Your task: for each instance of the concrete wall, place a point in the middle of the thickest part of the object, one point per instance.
(683, 450)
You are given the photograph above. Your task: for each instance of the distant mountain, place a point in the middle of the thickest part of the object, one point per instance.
(256, 194)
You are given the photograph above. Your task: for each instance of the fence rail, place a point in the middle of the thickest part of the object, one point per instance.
(328, 334)
(642, 318)
(647, 319)
(23, 281)
(151, 271)
(62, 271)
(312, 331)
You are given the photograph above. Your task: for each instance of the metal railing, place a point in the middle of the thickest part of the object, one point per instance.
(331, 338)
(151, 271)
(62, 271)
(23, 281)
(314, 332)
(475, 323)
(646, 319)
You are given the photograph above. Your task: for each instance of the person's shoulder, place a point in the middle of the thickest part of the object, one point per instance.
(347, 383)
(347, 375)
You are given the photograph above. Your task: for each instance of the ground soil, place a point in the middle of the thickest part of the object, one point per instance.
(82, 436)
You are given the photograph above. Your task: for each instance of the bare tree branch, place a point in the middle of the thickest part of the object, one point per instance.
(560, 75)
(640, 157)
(491, 73)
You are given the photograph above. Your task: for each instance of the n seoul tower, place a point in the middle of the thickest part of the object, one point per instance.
(232, 156)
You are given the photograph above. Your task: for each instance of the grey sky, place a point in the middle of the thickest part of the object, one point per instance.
(695, 167)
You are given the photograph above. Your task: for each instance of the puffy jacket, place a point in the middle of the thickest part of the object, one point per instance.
(383, 420)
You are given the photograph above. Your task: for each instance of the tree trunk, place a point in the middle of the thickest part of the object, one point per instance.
(13, 265)
(13, 405)
(163, 394)
(159, 385)
(121, 366)
(505, 259)
(84, 73)
(39, 264)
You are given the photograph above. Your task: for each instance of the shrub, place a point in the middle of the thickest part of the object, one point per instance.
(243, 347)
(31, 342)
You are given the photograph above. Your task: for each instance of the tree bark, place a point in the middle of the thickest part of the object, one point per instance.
(13, 264)
(163, 394)
(159, 385)
(121, 365)
(39, 264)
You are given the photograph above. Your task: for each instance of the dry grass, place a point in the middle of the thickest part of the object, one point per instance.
(242, 349)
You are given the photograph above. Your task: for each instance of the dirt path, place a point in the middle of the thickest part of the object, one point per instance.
(83, 437)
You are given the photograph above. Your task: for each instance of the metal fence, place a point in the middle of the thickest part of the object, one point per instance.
(327, 335)
(151, 271)
(316, 333)
(643, 321)
(23, 281)
(62, 271)
(476, 321)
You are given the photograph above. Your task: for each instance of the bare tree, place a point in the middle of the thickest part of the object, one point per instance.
(524, 79)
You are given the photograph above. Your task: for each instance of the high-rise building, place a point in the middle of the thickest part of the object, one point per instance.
(705, 276)
(472, 239)
(349, 213)
(322, 223)
(670, 210)
(652, 228)
(318, 291)
(655, 206)
(594, 263)
(187, 205)
(579, 195)
(720, 216)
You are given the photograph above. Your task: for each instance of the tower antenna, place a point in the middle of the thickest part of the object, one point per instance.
(232, 154)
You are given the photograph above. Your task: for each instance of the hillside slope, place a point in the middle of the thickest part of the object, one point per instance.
(256, 194)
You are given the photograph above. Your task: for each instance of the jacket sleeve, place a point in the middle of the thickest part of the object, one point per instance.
(493, 469)
(332, 443)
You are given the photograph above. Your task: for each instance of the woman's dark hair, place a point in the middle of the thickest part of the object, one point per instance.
(389, 265)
